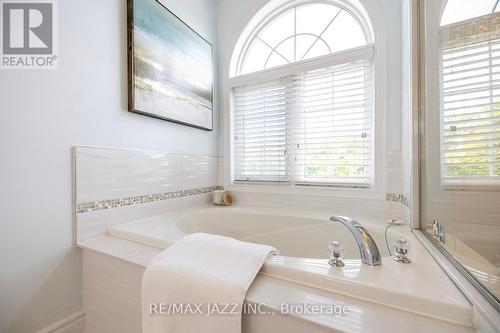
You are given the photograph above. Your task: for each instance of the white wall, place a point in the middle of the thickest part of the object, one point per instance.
(237, 13)
(43, 114)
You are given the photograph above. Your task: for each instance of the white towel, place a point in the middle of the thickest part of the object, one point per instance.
(187, 286)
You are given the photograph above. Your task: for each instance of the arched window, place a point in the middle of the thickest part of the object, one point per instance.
(462, 10)
(302, 99)
(300, 33)
(470, 93)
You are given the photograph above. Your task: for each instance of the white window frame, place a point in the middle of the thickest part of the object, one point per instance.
(374, 31)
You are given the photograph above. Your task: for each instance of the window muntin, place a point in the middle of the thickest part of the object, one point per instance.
(301, 33)
(305, 122)
(470, 100)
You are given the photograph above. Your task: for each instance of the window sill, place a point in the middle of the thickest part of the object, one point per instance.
(330, 191)
(471, 186)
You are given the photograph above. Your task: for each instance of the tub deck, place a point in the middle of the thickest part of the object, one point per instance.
(417, 290)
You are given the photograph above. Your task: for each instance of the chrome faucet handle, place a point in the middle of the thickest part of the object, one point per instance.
(401, 247)
(336, 254)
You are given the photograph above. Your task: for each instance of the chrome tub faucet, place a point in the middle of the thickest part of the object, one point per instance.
(368, 250)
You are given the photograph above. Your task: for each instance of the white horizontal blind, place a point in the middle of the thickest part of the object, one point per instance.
(332, 134)
(314, 127)
(259, 131)
(470, 141)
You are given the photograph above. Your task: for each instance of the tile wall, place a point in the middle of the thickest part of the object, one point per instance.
(114, 186)
(394, 205)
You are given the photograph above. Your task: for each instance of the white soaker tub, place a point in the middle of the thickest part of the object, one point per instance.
(294, 233)
(302, 237)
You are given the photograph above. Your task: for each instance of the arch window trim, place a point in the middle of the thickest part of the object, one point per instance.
(494, 6)
(332, 59)
(356, 12)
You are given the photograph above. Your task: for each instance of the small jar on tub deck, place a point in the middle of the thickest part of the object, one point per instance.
(222, 198)
(218, 194)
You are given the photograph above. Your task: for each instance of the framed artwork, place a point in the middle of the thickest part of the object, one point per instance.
(169, 67)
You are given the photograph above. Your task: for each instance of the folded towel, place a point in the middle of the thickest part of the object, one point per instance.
(199, 283)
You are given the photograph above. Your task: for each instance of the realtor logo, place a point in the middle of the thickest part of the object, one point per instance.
(28, 34)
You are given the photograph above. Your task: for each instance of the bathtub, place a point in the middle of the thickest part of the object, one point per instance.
(302, 238)
(296, 234)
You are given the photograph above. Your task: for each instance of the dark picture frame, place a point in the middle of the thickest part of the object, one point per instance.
(170, 74)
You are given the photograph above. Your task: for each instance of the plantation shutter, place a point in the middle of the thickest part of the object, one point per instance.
(470, 135)
(312, 127)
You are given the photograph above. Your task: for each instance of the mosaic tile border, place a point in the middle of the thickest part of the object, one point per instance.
(397, 197)
(93, 206)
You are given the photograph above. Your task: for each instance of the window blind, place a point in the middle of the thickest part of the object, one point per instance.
(260, 131)
(470, 117)
(313, 127)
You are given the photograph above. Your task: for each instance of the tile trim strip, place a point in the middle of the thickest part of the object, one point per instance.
(97, 205)
(93, 206)
(398, 197)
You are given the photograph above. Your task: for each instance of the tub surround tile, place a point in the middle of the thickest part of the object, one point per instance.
(364, 316)
(133, 252)
(199, 171)
(111, 292)
(96, 223)
(392, 207)
(394, 171)
(220, 170)
(112, 173)
(394, 180)
(114, 186)
(342, 206)
(398, 197)
(406, 214)
(196, 200)
(454, 313)
(260, 199)
(118, 186)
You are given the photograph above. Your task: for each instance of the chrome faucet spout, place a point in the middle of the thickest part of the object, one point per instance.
(368, 249)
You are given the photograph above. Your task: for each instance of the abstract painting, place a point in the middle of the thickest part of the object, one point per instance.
(169, 67)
